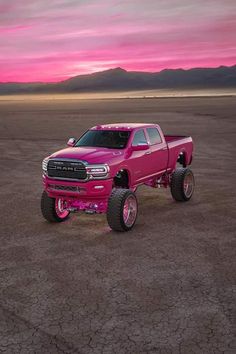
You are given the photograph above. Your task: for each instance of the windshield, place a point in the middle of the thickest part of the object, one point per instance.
(111, 139)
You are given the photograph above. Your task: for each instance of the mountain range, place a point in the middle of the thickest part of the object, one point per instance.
(119, 79)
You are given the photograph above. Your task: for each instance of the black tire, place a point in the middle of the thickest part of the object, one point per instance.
(48, 209)
(178, 191)
(116, 202)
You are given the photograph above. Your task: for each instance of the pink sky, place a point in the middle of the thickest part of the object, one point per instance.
(43, 40)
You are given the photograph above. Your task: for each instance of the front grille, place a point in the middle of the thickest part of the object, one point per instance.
(66, 169)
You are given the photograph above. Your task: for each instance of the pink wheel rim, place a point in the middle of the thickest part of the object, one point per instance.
(130, 211)
(188, 184)
(60, 206)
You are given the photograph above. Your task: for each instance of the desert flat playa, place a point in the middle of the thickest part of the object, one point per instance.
(164, 93)
(167, 286)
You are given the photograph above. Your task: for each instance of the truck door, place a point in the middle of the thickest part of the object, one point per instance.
(158, 151)
(140, 161)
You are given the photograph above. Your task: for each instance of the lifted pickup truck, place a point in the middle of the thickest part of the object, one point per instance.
(100, 172)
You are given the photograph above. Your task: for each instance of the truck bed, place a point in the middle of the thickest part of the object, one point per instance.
(179, 144)
(172, 138)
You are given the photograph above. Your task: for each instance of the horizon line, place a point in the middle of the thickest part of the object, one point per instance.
(116, 68)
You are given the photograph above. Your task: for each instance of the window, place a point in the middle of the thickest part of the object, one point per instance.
(139, 138)
(154, 136)
(111, 139)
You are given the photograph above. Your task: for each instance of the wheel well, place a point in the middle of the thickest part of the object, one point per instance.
(182, 159)
(121, 179)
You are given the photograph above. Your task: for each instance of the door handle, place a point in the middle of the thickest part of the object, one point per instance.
(148, 153)
(165, 148)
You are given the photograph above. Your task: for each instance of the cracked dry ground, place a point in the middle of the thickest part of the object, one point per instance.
(168, 286)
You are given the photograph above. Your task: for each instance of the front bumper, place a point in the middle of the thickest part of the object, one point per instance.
(94, 189)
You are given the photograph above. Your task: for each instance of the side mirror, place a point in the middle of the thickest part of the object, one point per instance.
(71, 142)
(140, 147)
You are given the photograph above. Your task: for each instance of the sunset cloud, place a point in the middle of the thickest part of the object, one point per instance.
(51, 41)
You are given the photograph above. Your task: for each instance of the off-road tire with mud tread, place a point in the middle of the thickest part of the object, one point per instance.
(48, 209)
(115, 209)
(177, 184)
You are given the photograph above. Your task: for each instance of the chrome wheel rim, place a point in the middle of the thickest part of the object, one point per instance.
(130, 211)
(60, 206)
(188, 185)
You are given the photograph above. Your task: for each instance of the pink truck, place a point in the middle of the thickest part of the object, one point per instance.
(100, 172)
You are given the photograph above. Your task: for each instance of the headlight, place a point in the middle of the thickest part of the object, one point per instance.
(45, 164)
(97, 170)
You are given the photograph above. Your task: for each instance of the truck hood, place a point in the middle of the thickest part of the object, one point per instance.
(92, 155)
